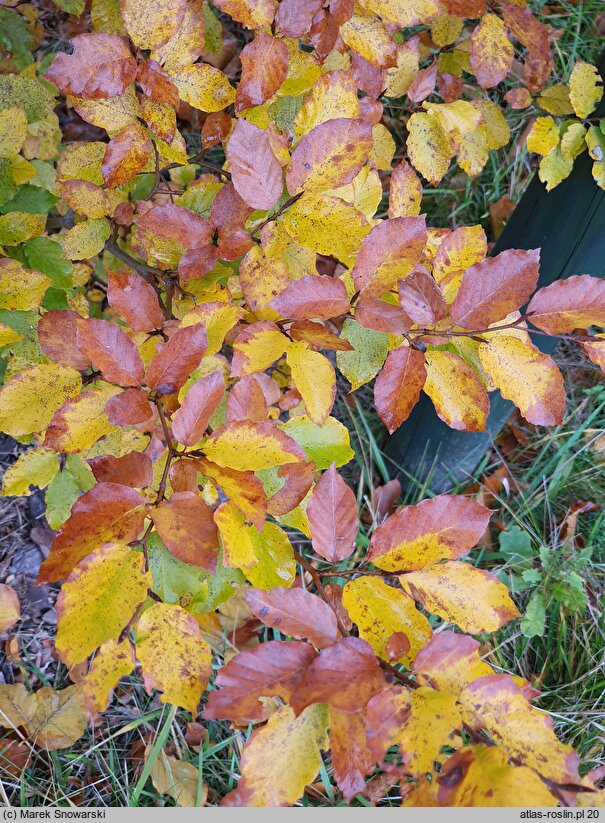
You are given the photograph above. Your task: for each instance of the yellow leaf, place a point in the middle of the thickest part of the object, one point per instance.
(151, 22)
(369, 37)
(173, 655)
(543, 136)
(112, 114)
(384, 147)
(327, 225)
(364, 192)
(303, 71)
(482, 776)
(473, 599)
(98, 599)
(86, 239)
(289, 746)
(405, 12)
(457, 252)
(275, 565)
(428, 146)
(21, 289)
(585, 89)
(314, 377)
(497, 704)
(449, 662)
(113, 661)
(399, 78)
(29, 399)
(18, 226)
(204, 87)
(527, 377)
(238, 536)
(333, 95)
(13, 130)
(405, 192)
(80, 422)
(8, 335)
(494, 125)
(380, 611)
(82, 161)
(573, 139)
(554, 168)
(491, 51)
(51, 719)
(323, 445)
(248, 446)
(555, 100)
(459, 396)
(10, 610)
(457, 118)
(35, 467)
(177, 779)
(446, 29)
(257, 347)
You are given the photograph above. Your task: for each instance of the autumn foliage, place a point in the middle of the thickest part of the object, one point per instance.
(183, 276)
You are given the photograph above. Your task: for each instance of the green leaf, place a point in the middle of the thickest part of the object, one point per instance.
(325, 444)
(515, 545)
(370, 349)
(16, 38)
(31, 199)
(71, 6)
(214, 30)
(75, 478)
(46, 255)
(532, 624)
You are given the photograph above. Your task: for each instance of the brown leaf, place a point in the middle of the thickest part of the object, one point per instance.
(199, 404)
(273, 669)
(345, 675)
(133, 469)
(294, 17)
(330, 155)
(445, 526)
(318, 335)
(264, 67)
(310, 296)
(421, 297)
(156, 84)
(197, 263)
(297, 613)
(332, 513)
(186, 525)
(10, 610)
(495, 287)
(176, 223)
(228, 215)
(100, 66)
(242, 488)
(388, 253)
(351, 758)
(109, 512)
(111, 351)
(134, 300)
(126, 155)
(217, 126)
(129, 408)
(255, 171)
(423, 83)
(574, 303)
(398, 386)
(57, 333)
(491, 52)
(178, 357)
(377, 314)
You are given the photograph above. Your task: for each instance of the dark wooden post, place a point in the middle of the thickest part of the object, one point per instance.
(568, 224)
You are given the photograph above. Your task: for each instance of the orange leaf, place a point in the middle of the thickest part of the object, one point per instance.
(332, 513)
(186, 525)
(398, 386)
(297, 613)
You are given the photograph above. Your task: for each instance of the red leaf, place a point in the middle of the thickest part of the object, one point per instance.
(313, 295)
(107, 513)
(57, 333)
(186, 525)
(345, 675)
(294, 17)
(134, 300)
(133, 469)
(388, 252)
(273, 669)
(178, 357)
(421, 297)
(299, 479)
(176, 223)
(111, 351)
(157, 84)
(246, 401)
(255, 171)
(101, 66)
(128, 408)
(190, 421)
(197, 263)
(228, 215)
(423, 83)
(295, 612)
(126, 155)
(574, 303)
(398, 386)
(377, 314)
(351, 758)
(264, 68)
(332, 513)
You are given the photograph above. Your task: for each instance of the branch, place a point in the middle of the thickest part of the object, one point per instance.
(150, 274)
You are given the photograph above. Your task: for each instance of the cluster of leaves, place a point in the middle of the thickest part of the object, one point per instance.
(163, 323)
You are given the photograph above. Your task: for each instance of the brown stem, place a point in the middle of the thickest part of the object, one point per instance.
(289, 202)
